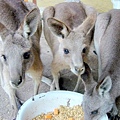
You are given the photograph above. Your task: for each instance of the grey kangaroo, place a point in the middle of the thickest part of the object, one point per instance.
(68, 30)
(99, 98)
(20, 31)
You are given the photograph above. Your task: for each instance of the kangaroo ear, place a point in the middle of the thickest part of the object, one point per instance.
(87, 24)
(104, 86)
(30, 23)
(3, 32)
(58, 28)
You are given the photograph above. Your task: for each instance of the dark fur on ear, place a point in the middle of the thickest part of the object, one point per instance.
(58, 27)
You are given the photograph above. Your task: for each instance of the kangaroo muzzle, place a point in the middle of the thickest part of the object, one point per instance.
(17, 82)
(80, 70)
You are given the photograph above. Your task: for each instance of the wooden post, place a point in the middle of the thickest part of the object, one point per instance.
(35, 1)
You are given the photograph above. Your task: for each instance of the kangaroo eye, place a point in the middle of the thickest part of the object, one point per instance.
(84, 50)
(94, 52)
(26, 55)
(4, 57)
(66, 51)
(94, 112)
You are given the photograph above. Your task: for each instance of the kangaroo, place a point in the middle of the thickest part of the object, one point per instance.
(99, 97)
(68, 31)
(20, 31)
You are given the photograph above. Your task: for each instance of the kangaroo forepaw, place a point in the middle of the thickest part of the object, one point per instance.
(114, 111)
(52, 87)
(113, 114)
(19, 103)
(117, 117)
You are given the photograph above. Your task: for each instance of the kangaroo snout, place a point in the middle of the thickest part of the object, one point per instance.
(17, 83)
(80, 70)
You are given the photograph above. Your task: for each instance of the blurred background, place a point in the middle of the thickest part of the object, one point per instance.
(100, 5)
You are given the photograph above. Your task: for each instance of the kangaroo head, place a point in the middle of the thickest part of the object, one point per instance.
(17, 52)
(96, 100)
(73, 44)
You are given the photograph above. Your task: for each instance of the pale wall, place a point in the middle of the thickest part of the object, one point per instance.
(100, 5)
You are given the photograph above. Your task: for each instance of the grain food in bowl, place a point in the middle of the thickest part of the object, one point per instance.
(47, 102)
(62, 113)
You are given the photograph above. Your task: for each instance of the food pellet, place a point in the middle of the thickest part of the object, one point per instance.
(56, 111)
(48, 116)
(63, 113)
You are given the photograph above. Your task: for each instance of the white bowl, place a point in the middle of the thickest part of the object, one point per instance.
(47, 102)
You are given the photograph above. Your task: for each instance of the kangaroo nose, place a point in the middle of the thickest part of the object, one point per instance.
(77, 69)
(18, 82)
(80, 70)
